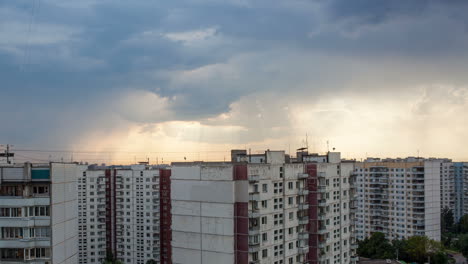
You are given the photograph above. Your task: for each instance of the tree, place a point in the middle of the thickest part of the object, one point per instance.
(447, 220)
(377, 246)
(420, 248)
(110, 259)
(462, 225)
(462, 245)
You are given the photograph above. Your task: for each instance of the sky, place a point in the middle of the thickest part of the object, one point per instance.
(124, 81)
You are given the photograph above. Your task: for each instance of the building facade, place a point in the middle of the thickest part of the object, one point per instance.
(262, 208)
(119, 213)
(38, 213)
(398, 197)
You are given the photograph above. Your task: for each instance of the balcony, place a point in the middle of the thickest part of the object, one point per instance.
(24, 243)
(303, 192)
(322, 231)
(322, 202)
(254, 196)
(322, 244)
(302, 249)
(302, 175)
(254, 248)
(303, 206)
(254, 230)
(322, 217)
(303, 235)
(322, 189)
(254, 178)
(303, 220)
(254, 213)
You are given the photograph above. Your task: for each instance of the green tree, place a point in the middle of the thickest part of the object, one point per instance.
(447, 220)
(377, 246)
(110, 259)
(462, 245)
(420, 248)
(462, 225)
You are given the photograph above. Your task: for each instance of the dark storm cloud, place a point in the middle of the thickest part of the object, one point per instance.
(202, 56)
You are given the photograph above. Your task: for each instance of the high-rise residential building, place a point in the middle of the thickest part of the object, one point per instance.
(119, 213)
(447, 185)
(38, 213)
(399, 197)
(460, 171)
(262, 208)
(454, 189)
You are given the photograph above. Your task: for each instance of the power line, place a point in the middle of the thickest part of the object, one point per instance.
(118, 151)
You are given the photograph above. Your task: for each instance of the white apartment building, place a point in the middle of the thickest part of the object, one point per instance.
(398, 197)
(447, 185)
(38, 213)
(453, 184)
(119, 213)
(336, 241)
(261, 208)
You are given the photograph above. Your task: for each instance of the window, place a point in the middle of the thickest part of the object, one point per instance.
(264, 204)
(264, 187)
(291, 215)
(290, 185)
(10, 212)
(12, 232)
(255, 256)
(264, 236)
(265, 253)
(37, 253)
(290, 200)
(264, 220)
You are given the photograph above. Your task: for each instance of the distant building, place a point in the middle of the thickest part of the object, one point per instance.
(262, 208)
(454, 189)
(119, 212)
(460, 171)
(38, 213)
(399, 197)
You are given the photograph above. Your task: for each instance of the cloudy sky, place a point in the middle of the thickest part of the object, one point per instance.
(124, 80)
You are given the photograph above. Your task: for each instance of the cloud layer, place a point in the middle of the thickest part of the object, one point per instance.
(375, 77)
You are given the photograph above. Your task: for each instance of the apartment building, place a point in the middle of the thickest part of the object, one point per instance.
(119, 213)
(335, 207)
(262, 208)
(38, 213)
(460, 171)
(398, 197)
(447, 185)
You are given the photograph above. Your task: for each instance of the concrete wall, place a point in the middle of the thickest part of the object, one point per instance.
(432, 199)
(202, 214)
(64, 213)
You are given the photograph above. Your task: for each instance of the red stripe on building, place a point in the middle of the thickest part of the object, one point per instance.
(312, 186)
(166, 217)
(241, 231)
(111, 221)
(240, 172)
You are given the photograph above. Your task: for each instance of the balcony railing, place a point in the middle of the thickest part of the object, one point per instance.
(254, 178)
(254, 196)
